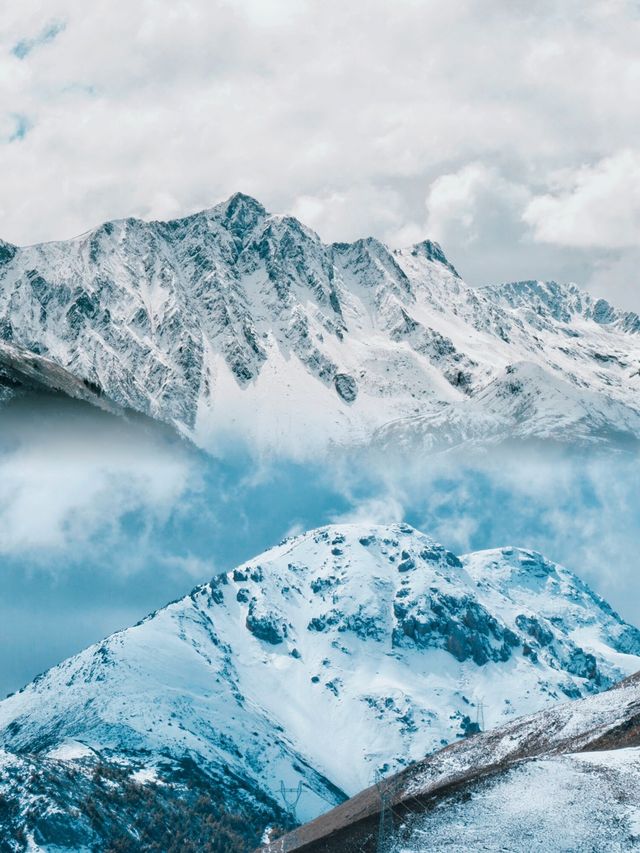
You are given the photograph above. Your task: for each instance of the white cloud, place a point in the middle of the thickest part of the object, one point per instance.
(617, 278)
(358, 211)
(68, 476)
(383, 509)
(595, 205)
(582, 513)
(472, 203)
(189, 566)
(348, 114)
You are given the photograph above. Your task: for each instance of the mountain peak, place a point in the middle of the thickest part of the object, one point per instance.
(242, 203)
(7, 251)
(245, 201)
(241, 213)
(433, 252)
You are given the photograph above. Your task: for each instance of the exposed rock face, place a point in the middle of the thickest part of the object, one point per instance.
(460, 625)
(346, 387)
(24, 370)
(7, 251)
(264, 624)
(235, 322)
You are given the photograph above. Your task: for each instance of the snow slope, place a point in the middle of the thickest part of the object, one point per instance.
(238, 325)
(343, 652)
(580, 801)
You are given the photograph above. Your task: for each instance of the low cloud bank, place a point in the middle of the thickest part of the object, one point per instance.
(101, 520)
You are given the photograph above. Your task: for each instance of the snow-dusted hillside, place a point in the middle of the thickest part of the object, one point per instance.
(74, 800)
(580, 801)
(342, 652)
(566, 778)
(235, 324)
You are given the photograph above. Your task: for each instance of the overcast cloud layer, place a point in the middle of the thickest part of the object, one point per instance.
(507, 130)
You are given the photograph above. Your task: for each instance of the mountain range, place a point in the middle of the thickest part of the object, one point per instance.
(337, 657)
(237, 325)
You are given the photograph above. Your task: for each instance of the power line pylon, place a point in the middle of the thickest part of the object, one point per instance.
(387, 790)
(290, 798)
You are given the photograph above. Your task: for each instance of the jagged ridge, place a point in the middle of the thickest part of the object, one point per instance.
(234, 323)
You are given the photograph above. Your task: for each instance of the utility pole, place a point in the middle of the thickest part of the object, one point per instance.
(480, 714)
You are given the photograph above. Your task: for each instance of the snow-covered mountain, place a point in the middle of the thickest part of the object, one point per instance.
(235, 324)
(344, 652)
(566, 778)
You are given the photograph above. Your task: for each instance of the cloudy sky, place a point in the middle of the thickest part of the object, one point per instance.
(506, 129)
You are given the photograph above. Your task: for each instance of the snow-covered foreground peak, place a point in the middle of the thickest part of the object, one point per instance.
(340, 653)
(237, 325)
